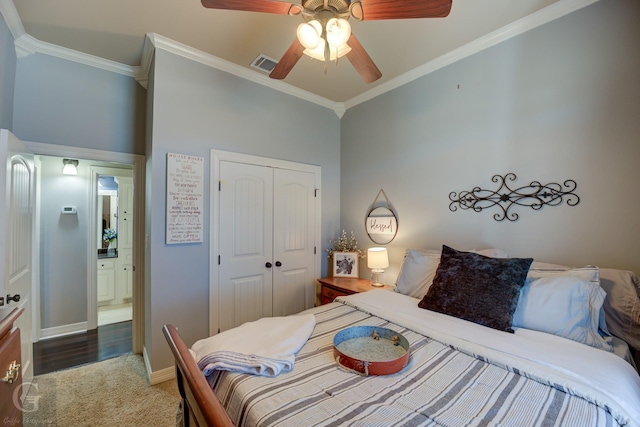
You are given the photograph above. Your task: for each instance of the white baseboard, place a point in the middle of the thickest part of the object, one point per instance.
(160, 376)
(59, 331)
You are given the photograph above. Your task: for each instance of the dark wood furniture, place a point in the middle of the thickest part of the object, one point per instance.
(10, 371)
(332, 287)
(200, 405)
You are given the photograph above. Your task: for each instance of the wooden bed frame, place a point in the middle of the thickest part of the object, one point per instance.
(200, 405)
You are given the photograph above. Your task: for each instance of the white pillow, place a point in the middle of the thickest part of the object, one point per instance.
(546, 265)
(491, 252)
(417, 272)
(622, 305)
(567, 303)
(589, 273)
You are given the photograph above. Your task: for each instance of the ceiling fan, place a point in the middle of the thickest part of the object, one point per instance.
(326, 34)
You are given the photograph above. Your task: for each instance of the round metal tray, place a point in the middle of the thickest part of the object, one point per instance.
(371, 350)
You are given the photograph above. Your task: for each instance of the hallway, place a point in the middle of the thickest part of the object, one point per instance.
(108, 314)
(68, 351)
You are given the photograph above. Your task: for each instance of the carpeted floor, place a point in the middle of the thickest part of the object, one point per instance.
(114, 392)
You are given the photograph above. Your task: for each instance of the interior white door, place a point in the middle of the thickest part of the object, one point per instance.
(267, 242)
(245, 240)
(16, 237)
(125, 213)
(293, 241)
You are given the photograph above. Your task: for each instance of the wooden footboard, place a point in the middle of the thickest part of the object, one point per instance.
(200, 405)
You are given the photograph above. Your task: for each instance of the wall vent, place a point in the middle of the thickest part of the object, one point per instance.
(264, 63)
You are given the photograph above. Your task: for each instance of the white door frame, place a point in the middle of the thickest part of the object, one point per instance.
(218, 156)
(138, 163)
(92, 275)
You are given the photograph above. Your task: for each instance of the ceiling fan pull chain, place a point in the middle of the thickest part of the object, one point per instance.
(327, 54)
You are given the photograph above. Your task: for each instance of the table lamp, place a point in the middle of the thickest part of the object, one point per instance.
(377, 261)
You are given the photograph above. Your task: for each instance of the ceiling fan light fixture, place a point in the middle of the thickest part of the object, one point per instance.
(326, 44)
(335, 52)
(309, 34)
(355, 8)
(338, 32)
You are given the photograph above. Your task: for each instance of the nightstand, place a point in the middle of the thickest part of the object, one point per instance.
(333, 287)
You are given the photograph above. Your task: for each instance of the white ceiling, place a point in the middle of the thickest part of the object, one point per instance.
(115, 30)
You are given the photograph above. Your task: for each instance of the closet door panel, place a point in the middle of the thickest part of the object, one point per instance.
(293, 241)
(246, 218)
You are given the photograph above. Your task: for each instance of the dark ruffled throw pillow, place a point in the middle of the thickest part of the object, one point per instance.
(477, 288)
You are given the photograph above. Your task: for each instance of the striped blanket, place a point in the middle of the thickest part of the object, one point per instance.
(445, 384)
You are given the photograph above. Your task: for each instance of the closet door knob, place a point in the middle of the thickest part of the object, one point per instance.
(278, 264)
(268, 265)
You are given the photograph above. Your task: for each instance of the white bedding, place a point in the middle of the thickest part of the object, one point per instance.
(264, 347)
(596, 375)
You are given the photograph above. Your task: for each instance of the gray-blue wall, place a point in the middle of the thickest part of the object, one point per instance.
(7, 76)
(558, 102)
(63, 244)
(67, 103)
(195, 109)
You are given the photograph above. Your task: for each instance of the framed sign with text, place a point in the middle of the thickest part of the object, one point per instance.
(381, 222)
(185, 183)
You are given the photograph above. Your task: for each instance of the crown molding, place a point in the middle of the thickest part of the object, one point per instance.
(164, 43)
(148, 49)
(541, 17)
(33, 45)
(11, 17)
(26, 45)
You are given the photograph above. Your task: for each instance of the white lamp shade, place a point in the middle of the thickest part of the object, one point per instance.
(318, 52)
(338, 32)
(377, 258)
(309, 34)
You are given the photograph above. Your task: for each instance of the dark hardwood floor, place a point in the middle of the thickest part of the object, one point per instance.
(69, 351)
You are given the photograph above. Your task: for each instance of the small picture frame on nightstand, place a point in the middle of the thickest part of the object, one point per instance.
(345, 264)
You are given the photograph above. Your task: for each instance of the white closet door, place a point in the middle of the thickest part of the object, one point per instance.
(245, 240)
(293, 241)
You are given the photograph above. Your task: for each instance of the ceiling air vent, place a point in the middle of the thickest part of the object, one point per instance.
(264, 63)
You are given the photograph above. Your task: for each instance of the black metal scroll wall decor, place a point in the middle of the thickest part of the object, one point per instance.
(534, 195)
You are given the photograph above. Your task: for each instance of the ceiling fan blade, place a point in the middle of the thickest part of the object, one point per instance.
(288, 60)
(370, 10)
(267, 6)
(362, 62)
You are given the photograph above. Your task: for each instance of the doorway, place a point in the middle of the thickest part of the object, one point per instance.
(50, 299)
(114, 231)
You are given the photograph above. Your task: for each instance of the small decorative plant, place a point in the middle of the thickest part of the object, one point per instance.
(345, 244)
(109, 235)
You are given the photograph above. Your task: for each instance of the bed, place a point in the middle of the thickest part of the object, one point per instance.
(460, 371)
